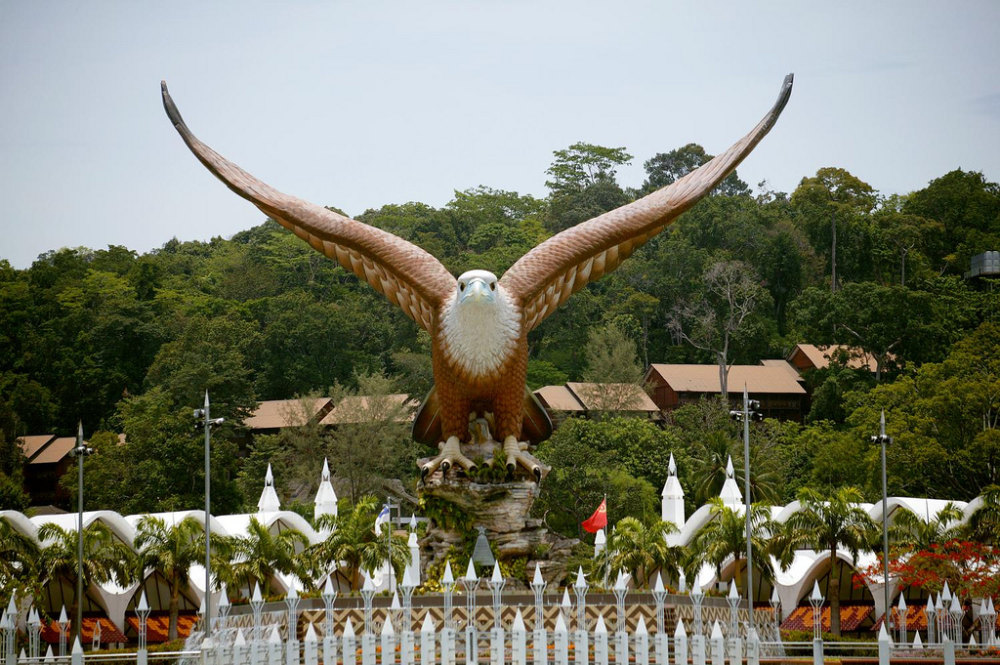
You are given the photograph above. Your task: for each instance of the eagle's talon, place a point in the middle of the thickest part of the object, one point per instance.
(516, 454)
(451, 454)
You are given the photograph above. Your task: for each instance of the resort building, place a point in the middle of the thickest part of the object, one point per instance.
(775, 385)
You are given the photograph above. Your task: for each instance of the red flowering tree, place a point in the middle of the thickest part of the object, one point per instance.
(971, 569)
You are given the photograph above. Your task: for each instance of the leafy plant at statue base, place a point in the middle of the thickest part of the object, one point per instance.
(492, 472)
(445, 514)
(969, 568)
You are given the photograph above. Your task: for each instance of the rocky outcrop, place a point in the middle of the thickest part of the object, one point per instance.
(503, 510)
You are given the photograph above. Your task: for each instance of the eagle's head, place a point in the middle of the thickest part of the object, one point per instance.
(477, 288)
(481, 324)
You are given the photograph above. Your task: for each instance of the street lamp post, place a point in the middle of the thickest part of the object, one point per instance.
(750, 410)
(79, 453)
(883, 440)
(203, 415)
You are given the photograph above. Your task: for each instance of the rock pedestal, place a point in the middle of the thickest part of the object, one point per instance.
(502, 509)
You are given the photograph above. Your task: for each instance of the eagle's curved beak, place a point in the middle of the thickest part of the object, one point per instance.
(477, 290)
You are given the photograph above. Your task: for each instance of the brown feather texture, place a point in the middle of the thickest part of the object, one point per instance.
(408, 276)
(545, 277)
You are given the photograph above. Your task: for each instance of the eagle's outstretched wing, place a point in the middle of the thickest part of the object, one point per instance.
(407, 275)
(550, 273)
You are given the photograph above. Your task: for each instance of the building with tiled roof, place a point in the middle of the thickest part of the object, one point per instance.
(781, 395)
(805, 357)
(273, 415)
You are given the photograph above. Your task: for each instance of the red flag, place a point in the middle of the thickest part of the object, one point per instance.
(598, 520)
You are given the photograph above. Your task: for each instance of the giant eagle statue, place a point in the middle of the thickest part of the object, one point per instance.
(479, 324)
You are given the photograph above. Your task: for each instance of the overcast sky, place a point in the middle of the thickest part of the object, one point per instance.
(362, 104)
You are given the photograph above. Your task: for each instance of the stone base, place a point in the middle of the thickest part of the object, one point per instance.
(502, 509)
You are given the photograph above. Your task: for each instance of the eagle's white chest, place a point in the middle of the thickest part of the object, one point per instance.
(480, 337)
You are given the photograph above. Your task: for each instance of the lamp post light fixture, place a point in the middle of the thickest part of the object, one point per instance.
(751, 410)
(63, 631)
(204, 418)
(142, 614)
(816, 601)
(469, 583)
(448, 584)
(79, 453)
(883, 440)
(697, 595)
(776, 611)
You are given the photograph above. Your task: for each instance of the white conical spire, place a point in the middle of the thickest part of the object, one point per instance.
(600, 542)
(448, 577)
(672, 497)
(470, 573)
(268, 502)
(730, 493)
(325, 502)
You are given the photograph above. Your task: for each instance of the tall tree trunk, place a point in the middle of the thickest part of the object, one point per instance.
(833, 592)
(175, 598)
(722, 359)
(833, 253)
(74, 629)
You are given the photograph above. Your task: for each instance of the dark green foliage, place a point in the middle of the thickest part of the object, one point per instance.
(129, 343)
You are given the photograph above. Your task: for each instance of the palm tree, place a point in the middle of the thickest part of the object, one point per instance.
(354, 545)
(915, 534)
(105, 558)
(709, 464)
(827, 523)
(984, 524)
(725, 535)
(260, 554)
(18, 559)
(171, 551)
(639, 549)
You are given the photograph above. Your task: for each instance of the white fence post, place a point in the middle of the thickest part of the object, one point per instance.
(718, 645)
(518, 641)
(427, 652)
(406, 645)
(949, 650)
(274, 647)
(540, 640)
(641, 643)
(497, 635)
(388, 645)
(330, 644)
(884, 644)
(367, 647)
(600, 643)
(239, 643)
(310, 655)
(680, 645)
(753, 648)
(447, 645)
(76, 657)
(561, 641)
(350, 644)
(698, 649)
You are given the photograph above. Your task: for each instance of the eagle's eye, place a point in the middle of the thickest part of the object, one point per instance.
(493, 286)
